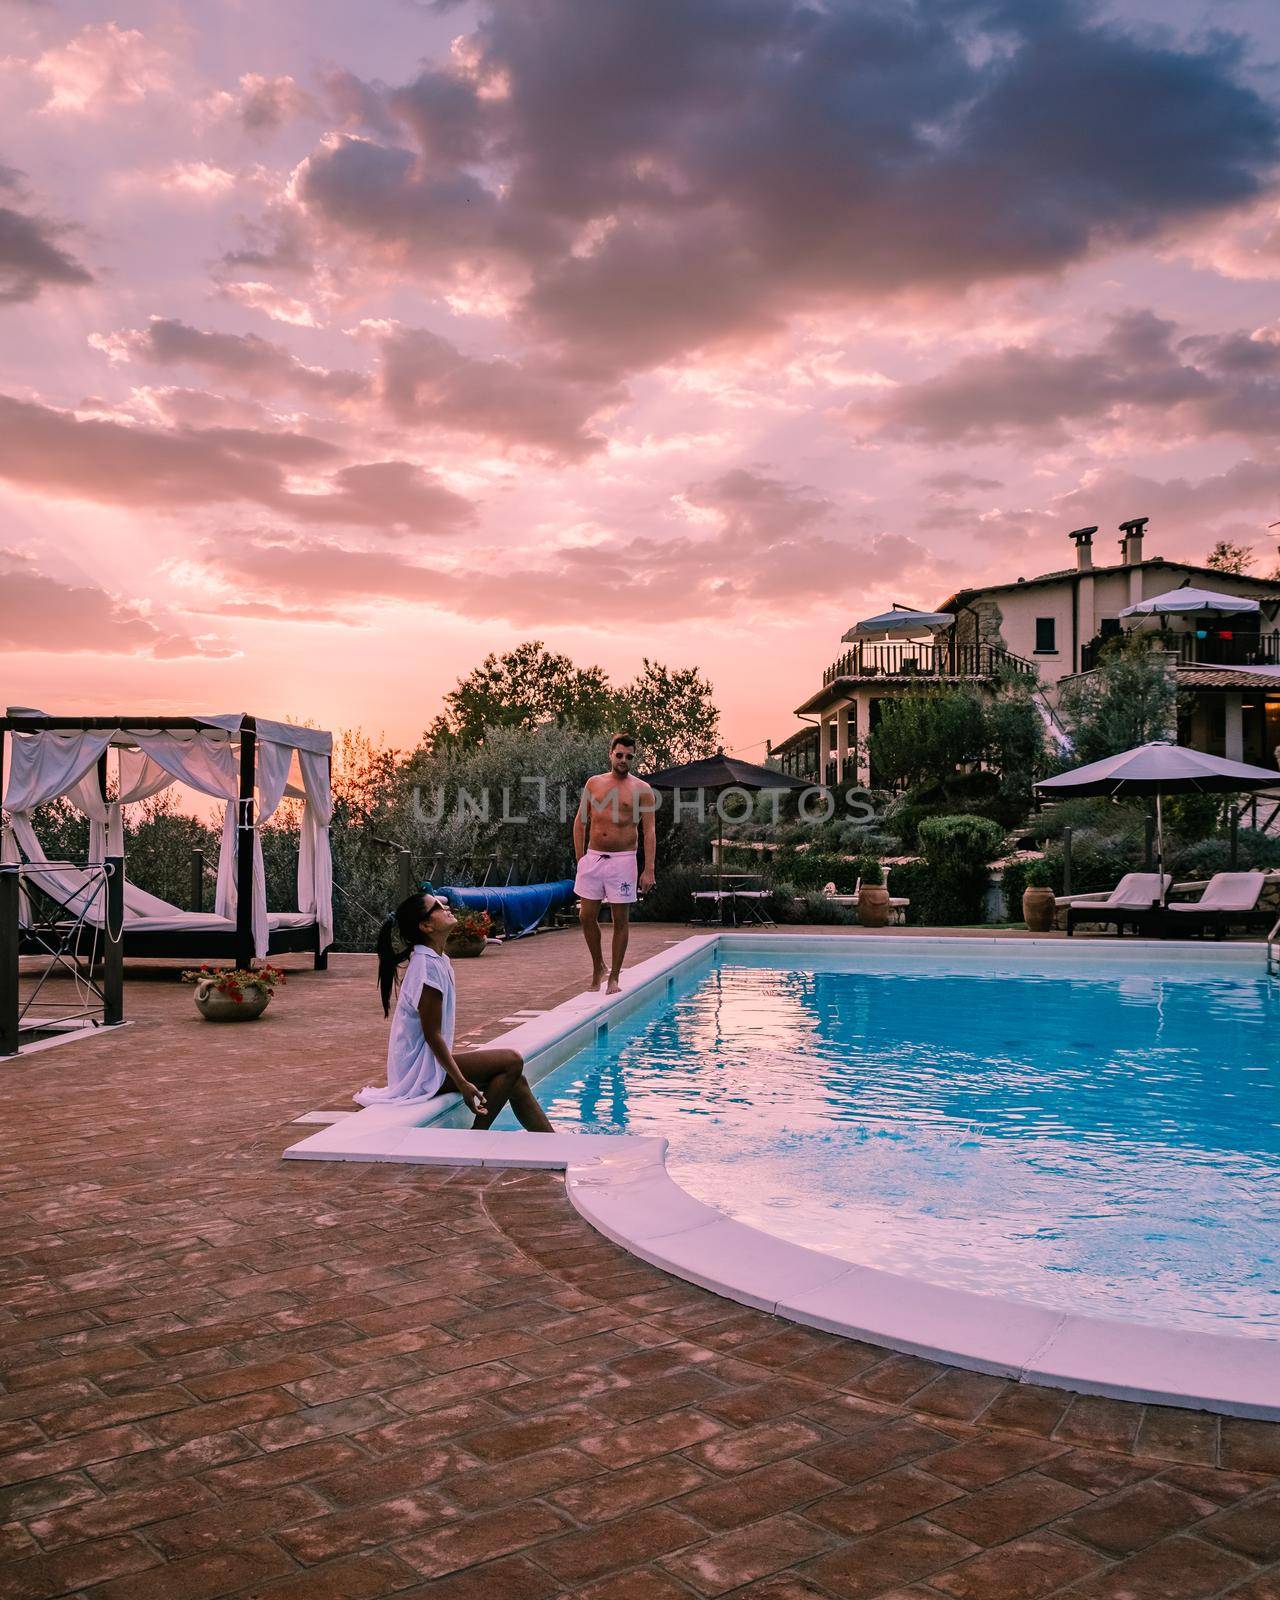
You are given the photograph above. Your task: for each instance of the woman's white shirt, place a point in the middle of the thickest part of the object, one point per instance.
(413, 1072)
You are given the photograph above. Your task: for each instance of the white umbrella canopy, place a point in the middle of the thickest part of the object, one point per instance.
(899, 623)
(1192, 602)
(1160, 768)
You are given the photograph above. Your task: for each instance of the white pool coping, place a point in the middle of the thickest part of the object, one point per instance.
(620, 1185)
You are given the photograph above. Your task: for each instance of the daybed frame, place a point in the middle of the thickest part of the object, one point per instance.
(198, 943)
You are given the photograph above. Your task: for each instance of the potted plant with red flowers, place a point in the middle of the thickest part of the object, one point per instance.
(231, 994)
(469, 934)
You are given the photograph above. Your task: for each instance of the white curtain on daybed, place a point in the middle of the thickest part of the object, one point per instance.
(47, 764)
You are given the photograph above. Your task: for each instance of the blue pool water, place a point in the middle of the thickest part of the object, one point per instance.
(1101, 1135)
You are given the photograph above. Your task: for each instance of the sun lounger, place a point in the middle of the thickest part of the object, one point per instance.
(1230, 900)
(1133, 903)
(152, 927)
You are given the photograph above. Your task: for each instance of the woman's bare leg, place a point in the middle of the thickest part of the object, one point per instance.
(500, 1073)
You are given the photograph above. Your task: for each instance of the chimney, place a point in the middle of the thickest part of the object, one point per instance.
(1131, 544)
(1084, 548)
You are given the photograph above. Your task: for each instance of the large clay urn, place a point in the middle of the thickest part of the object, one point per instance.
(873, 906)
(1038, 905)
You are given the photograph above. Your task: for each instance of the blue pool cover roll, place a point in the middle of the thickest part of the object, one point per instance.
(518, 908)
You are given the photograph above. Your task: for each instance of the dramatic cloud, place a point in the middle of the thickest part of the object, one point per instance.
(425, 380)
(31, 259)
(240, 358)
(719, 323)
(1199, 386)
(262, 105)
(1179, 504)
(655, 178)
(105, 461)
(41, 613)
(764, 545)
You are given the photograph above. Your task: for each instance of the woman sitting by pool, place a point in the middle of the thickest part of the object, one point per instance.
(421, 1063)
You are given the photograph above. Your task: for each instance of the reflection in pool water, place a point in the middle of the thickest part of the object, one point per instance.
(1096, 1135)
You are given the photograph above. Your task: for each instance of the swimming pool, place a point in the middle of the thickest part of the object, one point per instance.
(1093, 1131)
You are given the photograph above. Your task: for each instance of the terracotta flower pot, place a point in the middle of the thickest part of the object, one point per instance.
(873, 906)
(1038, 906)
(466, 944)
(215, 1006)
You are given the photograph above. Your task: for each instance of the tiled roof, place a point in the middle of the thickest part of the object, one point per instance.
(1197, 676)
(1266, 589)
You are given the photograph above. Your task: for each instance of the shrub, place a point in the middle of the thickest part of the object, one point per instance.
(927, 735)
(807, 869)
(817, 908)
(1199, 860)
(1098, 860)
(1035, 874)
(957, 850)
(1204, 857)
(1129, 699)
(1095, 812)
(1193, 817)
(671, 898)
(910, 879)
(1013, 880)
(787, 903)
(930, 736)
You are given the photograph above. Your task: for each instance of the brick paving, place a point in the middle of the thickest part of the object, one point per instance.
(221, 1374)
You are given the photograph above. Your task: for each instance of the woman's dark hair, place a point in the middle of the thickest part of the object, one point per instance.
(404, 920)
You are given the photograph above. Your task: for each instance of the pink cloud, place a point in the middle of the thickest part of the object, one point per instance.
(62, 455)
(32, 257)
(1139, 374)
(45, 614)
(262, 104)
(244, 359)
(102, 66)
(656, 182)
(427, 381)
(765, 547)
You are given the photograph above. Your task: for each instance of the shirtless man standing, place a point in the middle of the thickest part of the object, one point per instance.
(613, 807)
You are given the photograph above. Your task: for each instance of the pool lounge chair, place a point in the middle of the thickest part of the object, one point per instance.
(1134, 902)
(154, 928)
(1230, 899)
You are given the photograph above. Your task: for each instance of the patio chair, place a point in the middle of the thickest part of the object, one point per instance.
(1230, 899)
(750, 896)
(708, 906)
(1134, 902)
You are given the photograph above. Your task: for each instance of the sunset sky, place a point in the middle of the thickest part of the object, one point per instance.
(341, 343)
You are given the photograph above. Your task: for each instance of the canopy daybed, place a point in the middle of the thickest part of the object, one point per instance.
(248, 762)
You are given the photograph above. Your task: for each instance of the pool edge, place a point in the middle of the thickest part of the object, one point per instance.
(630, 1198)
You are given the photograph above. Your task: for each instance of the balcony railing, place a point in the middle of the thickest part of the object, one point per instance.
(925, 661)
(1220, 647)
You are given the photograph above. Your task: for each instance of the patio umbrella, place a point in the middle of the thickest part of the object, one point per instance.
(1160, 768)
(899, 623)
(1192, 602)
(717, 773)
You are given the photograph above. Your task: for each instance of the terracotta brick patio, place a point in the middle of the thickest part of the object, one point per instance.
(227, 1375)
